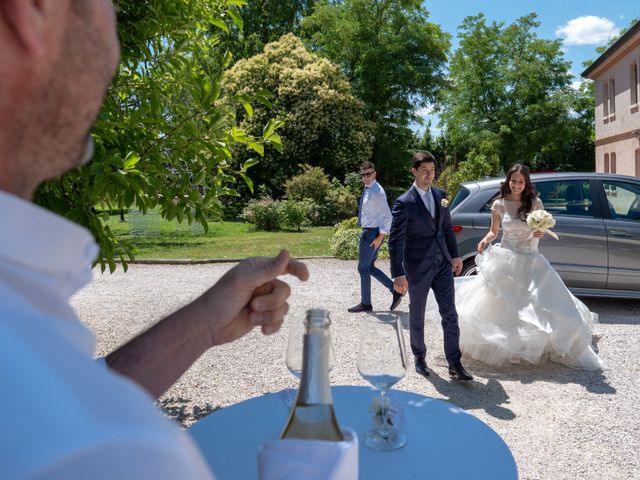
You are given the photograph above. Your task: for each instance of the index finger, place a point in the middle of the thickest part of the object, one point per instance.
(297, 269)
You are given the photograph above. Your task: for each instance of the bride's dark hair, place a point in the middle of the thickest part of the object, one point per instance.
(527, 196)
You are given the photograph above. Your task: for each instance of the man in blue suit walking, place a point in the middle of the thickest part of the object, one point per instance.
(424, 255)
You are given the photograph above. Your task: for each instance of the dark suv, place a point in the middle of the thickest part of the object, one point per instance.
(597, 219)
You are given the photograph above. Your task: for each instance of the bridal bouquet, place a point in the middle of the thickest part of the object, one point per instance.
(542, 220)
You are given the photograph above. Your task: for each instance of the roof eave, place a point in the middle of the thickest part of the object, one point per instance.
(611, 50)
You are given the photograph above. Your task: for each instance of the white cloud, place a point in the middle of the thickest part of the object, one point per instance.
(576, 84)
(587, 30)
(425, 111)
(621, 17)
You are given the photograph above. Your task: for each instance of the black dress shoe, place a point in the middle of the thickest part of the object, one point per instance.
(397, 298)
(421, 367)
(361, 307)
(457, 370)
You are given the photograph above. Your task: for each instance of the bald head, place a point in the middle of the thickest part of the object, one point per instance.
(57, 58)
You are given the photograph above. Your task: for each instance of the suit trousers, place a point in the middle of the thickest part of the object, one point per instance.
(367, 256)
(440, 280)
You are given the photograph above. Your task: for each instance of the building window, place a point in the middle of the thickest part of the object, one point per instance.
(633, 83)
(612, 99)
(606, 163)
(605, 101)
(612, 165)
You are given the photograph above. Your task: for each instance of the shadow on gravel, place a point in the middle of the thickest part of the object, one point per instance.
(615, 310)
(177, 408)
(491, 397)
(594, 382)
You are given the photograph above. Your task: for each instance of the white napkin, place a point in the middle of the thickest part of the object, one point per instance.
(309, 459)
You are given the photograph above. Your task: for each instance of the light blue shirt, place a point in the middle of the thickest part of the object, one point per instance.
(375, 209)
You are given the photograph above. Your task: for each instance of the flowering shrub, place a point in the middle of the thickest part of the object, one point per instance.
(264, 213)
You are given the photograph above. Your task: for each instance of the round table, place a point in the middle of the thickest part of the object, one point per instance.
(444, 441)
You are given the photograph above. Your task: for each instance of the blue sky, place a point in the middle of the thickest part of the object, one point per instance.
(582, 24)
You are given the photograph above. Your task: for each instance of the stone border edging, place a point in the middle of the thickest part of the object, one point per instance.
(178, 261)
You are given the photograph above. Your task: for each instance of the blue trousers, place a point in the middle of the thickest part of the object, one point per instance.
(440, 279)
(367, 256)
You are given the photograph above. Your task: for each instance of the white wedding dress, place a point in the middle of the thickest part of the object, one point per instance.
(517, 307)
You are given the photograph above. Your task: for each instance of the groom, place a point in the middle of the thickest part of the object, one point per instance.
(424, 255)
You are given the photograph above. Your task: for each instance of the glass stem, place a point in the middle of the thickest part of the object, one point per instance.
(384, 429)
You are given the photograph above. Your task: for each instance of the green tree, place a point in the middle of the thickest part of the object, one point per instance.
(513, 88)
(576, 151)
(324, 123)
(480, 162)
(265, 21)
(395, 60)
(165, 136)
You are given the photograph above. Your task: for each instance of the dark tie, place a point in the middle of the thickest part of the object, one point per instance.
(360, 207)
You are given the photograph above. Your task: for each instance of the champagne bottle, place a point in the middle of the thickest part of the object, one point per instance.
(312, 417)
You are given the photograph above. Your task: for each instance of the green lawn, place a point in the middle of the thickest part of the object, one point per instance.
(155, 238)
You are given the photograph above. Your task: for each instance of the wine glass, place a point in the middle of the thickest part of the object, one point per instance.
(295, 345)
(382, 362)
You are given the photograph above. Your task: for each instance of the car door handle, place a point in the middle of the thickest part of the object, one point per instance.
(620, 233)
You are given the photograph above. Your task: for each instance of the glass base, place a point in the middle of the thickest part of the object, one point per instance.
(384, 440)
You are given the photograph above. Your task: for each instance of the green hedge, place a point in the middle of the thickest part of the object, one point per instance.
(344, 244)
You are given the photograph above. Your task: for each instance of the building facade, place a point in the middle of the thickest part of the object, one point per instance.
(616, 77)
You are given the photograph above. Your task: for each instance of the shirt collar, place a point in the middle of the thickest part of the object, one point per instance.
(372, 184)
(421, 191)
(41, 241)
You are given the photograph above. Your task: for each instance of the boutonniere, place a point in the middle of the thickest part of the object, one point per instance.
(444, 203)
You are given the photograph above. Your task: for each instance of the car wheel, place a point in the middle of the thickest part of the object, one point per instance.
(469, 268)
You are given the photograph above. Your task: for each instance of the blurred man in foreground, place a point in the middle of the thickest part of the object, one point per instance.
(66, 415)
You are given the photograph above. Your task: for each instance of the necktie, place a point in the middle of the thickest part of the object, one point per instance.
(429, 198)
(360, 206)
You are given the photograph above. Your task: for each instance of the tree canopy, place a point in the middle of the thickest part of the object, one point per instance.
(265, 21)
(165, 136)
(513, 89)
(324, 124)
(394, 58)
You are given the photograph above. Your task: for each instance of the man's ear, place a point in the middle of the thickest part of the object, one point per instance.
(28, 20)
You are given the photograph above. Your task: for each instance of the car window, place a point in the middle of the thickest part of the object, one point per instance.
(624, 200)
(461, 194)
(487, 206)
(566, 197)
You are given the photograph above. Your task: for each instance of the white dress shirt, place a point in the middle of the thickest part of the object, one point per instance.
(375, 209)
(427, 199)
(64, 415)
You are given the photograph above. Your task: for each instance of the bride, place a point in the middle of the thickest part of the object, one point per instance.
(517, 307)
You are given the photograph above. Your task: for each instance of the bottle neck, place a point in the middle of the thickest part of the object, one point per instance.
(315, 388)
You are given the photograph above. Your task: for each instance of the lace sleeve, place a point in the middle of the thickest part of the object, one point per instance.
(537, 204)
(496, 206)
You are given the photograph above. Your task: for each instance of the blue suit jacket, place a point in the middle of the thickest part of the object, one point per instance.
(416, 237)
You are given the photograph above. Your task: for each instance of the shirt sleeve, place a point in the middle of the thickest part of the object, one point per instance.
(384, 213)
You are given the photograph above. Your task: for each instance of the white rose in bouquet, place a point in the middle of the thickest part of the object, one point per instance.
(542, 220)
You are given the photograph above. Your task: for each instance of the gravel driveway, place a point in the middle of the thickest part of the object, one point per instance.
(560, 423)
